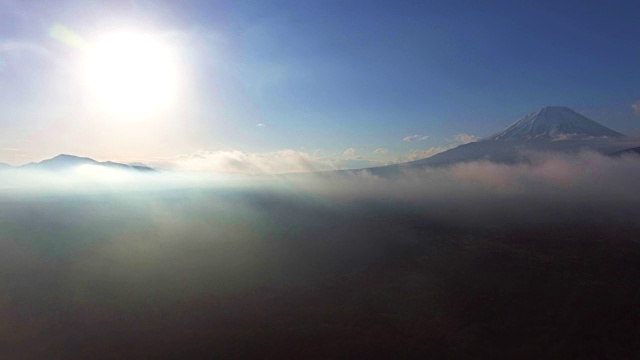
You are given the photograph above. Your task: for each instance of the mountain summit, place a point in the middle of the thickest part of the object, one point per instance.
(64, 161)
(554, 123)
(61, 161)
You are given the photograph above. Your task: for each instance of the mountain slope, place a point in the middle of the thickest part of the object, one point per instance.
(60, 162)
(554, 123)
(553, 128)
(504, 152)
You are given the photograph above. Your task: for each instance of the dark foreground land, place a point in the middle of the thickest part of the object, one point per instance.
(250, 276)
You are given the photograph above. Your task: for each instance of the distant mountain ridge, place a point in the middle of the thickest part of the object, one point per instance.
(65, 161)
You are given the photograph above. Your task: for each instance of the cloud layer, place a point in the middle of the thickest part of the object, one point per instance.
(551, 188)
(238, 162)
(585, 180)
(181, 264)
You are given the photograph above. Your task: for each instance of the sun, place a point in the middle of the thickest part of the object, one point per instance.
(131, 73)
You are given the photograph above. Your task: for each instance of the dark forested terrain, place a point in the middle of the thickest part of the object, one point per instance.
(254, 274)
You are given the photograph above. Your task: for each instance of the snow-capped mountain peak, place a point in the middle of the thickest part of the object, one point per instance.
(554, 123)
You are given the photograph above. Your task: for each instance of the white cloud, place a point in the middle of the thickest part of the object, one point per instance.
(418, 154)
(415, 138)
(277, 162)
(238, 162)
(381, 151)
(464, 138)
(423, 154)
(636, 107)
(350, 152)
(261, 125)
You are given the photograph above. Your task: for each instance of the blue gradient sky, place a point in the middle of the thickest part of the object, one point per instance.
(322, 77)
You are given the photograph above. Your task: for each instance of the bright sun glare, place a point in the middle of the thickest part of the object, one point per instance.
(130, 73)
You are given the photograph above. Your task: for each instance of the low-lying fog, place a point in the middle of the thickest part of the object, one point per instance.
(474, 260)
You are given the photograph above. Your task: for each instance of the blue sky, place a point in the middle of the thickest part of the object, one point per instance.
(332, 81)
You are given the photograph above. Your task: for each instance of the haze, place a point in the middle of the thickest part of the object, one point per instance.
(281, 179)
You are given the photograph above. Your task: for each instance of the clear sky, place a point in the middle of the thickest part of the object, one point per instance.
(327, 83)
